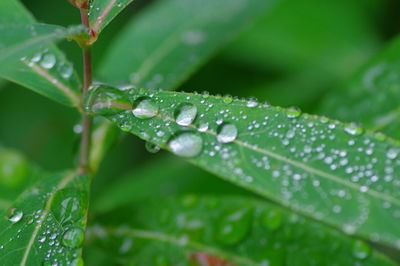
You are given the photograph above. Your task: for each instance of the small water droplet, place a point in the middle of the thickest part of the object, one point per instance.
(227, 133)
(361, 250)
(272, 219)
(73, 238)
(203, 127)
(15, 215)
(392, 153)
(293, 112)
(234, 226)
(228, 99)
(152, 148)
(186, 114)
(145, 108)
(252, 103)
(65, 70)
(353, 129)
(48, 61)
(186, 145)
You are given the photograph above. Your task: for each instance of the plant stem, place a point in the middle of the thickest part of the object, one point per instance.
(86, 120)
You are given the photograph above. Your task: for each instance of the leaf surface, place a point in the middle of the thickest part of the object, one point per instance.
(102, 12)
(46, 223)
(371, 96)
(45, 70)
(160, 50)
(334, 172)
(193, 230)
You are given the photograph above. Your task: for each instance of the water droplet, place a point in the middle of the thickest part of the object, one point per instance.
(73, 238)
(392, 153)
(228, 99)
(104, 100)
(15, 215)
(152, 148)
(68, 205)
(48, 61)
(65, 70)
(186, 114)
(227, 133)
(353, 129)
(361, 250)
(234, 226)
(252, 103)
(145, 108)
(203, 126)
(272, 219)
(186, 145)
(293, 112)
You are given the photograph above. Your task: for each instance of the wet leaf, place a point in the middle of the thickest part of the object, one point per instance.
(334, 172)
(45, 69)
(371, 96)
(103, 12)
(45, 225)
(160, 50)
(192, 230)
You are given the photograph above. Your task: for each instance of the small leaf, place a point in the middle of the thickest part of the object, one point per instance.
(371, 96)
(194, 230)
(102, 12)
(334, 172)
(60, 82)
(160, 50)
(46, 223)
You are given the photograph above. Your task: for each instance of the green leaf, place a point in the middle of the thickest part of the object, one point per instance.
(163, 177)
(16, 174)
(46, 223)
(103, 12)
(160, 50)
(238, 231)
(58, 82)
(334, 172)
(371, 96)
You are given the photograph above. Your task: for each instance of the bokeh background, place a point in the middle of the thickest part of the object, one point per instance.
(292, 56)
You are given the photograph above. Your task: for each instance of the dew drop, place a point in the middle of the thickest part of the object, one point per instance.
(203, 127)
(361, 250)
(228, 99)
(65, 71)
(392, 154)
(145, 108)
(152, 148)
(73, 238)
(293, 112)
(252, 103)
(186, 114)
(272, 219)
(48, 61)
(353, 130)
(227, 133)
(186, 145)
(234, 226)
(15, 215)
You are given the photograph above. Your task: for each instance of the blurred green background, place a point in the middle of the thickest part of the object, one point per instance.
(289, 57)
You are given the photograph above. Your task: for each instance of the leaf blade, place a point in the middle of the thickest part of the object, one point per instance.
(191, 228)
(321, 168)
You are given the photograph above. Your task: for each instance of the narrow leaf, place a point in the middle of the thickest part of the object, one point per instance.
(334, 172)
(371, 96)
(160, 50)
(193, 230)
(46, 70)
(46, 224)
(103, 12)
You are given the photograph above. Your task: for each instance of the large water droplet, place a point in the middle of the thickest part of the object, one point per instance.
(353, 129)
(227, 133)
(104, 100)
(145, 108)
(152, 148)
(73, 238)
(234, 226)
(48, 61)
(15, 215)
(68, 205)
(186, 145)
(361, 250)
(186, 114)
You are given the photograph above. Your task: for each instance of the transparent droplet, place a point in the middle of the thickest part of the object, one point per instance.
(392, 153)
(65, 70)
(228, 99)
(152, 148)
(186, 145)
(186, 114)
(272, 219)
(48, 61)
(73, 238)
(227, 133)
(15, 215)
(252, 103)
(353, 129)
(145, 108)
(361, 250)
(293, 112)
(203, 127)
(234, 226)
(105, 100)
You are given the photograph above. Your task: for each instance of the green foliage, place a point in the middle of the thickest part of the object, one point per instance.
(294, 188)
